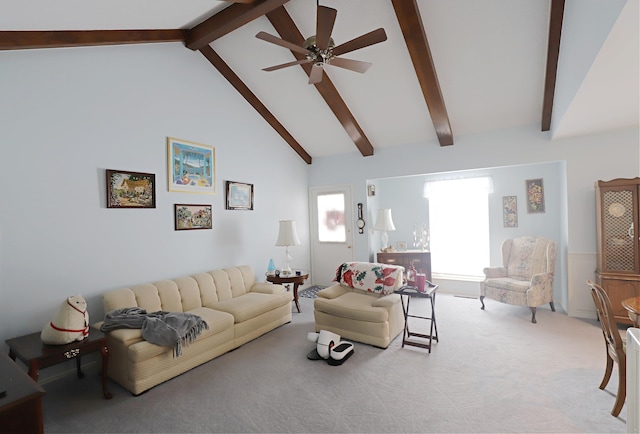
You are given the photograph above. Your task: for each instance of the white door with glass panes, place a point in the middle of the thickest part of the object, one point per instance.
(331, 231)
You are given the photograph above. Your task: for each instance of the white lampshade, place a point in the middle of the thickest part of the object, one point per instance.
(287, 235)
(384, 222)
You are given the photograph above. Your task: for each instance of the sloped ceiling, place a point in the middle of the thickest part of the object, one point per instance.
(489, 56)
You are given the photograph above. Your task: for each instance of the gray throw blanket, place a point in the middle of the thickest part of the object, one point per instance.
(169, 329)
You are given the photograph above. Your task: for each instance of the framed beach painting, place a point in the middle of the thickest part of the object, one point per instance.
(239, 195)
(130, 189)
(535, 196)
(192, 167)
(189, 217)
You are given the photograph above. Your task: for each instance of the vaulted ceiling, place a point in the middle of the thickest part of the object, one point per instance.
(448, 68)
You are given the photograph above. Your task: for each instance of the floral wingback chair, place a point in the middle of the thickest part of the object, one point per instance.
(526, 276)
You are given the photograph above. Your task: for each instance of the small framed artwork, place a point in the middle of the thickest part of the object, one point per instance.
(510, 211)
(130, 189)
(189, 217)
(239, 195)
(535, 195)
(192, 167)
(401, 246)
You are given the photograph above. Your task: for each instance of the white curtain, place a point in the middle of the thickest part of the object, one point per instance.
(459, 225)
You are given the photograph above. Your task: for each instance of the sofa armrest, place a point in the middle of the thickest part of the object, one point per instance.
(333, 291)
(387, 301)
(267, 288)
(493, 272)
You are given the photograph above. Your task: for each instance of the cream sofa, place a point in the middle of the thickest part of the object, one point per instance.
(362, 308)
(235, 307)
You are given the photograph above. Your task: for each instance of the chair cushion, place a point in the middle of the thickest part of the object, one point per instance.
(509, 284)
(353, 306)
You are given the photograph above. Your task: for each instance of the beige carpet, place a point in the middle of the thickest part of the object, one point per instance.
(492, 371)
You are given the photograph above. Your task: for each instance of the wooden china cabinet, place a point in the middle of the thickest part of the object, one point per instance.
(618, 216)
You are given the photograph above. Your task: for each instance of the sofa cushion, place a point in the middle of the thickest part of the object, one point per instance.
(354, 306)
(142, 350)
(251, 304)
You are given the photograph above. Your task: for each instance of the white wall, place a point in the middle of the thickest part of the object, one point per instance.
(585, 159)
(66, 115)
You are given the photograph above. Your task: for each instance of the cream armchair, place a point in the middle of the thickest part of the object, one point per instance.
(362, 306)
(526, 275)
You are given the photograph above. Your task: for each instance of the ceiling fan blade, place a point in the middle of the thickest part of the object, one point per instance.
(365, 40)
(316, 74)
(324, 26)
(353, 65)
(286, 44)
(284, 65)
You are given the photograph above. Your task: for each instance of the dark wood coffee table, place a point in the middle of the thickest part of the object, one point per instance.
(36, 355)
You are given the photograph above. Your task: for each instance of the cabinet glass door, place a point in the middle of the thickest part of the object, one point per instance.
(618, 230)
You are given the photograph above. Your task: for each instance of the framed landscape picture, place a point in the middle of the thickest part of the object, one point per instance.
(192, 167)
(130, 189)
(535, 195)
(239, 195)
(189, 217)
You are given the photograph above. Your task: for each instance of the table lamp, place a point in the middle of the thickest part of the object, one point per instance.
(384, 223)
(287, 236)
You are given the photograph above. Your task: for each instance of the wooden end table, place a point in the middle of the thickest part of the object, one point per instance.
(36, 355)
(410, 292)
(291, 278)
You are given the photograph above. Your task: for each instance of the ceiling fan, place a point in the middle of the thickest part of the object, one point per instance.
(321, 50)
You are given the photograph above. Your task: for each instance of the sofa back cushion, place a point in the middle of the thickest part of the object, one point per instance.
(237, 281)
(189, 293)
(207, 287)
(183, 293)
(147, 297)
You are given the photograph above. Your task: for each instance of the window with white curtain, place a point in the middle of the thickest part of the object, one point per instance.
(459, 226)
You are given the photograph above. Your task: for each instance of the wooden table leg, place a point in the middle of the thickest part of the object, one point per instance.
(79, 367)
(295, 295)
(33, 370)
(105, 361)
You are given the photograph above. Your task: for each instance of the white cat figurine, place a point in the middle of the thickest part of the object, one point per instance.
(70, 323)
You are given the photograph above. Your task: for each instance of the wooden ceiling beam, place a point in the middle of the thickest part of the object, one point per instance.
(228, 20)
(415, 38)
(242, 88)
(553, 53)
(284, 25)
(21, 40)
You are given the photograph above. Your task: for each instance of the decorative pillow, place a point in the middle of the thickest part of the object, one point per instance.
(70, 323)
(370, 277)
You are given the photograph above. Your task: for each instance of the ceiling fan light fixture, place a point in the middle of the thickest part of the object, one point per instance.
(316, 55)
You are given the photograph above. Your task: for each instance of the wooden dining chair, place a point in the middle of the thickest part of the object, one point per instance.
(615, 345)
